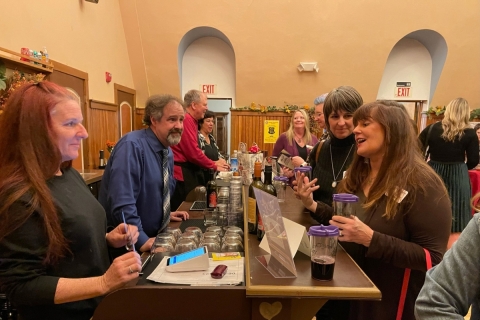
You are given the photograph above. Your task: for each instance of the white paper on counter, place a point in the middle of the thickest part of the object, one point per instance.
(297, 238)
(234, 275)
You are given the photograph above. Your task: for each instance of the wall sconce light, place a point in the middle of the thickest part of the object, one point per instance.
(307, 66)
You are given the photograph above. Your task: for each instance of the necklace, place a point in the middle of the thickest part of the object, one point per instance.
(297, 138)
(335, 177)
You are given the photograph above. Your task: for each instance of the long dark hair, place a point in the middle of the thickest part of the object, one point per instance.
(29, 156)
(402, 168)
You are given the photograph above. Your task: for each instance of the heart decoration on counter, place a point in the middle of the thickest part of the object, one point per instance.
(268, 311)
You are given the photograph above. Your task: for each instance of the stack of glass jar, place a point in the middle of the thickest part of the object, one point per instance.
(215, 238)
(235, 209)
(222, 205)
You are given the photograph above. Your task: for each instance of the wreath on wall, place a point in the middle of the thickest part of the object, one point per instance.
(287, 108)
(257, 107)
(9, 84)
(436, 110)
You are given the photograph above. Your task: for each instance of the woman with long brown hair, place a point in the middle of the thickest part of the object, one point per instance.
(403, 216)
(54, 261)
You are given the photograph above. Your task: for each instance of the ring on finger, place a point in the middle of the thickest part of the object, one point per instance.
(130, 269)
(341, 233)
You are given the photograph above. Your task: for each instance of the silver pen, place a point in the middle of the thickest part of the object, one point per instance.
(129, 246)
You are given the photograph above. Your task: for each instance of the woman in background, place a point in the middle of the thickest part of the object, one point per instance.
(450, 142)
(398, 217)
(319, 116)
(297, 140)
(54, 262)
(206, 141)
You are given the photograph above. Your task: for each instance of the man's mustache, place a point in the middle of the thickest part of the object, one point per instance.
(175, 131)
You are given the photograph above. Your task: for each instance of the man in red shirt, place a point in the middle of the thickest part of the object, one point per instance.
(188, 157)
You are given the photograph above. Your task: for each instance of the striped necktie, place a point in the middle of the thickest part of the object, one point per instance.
(166, 190)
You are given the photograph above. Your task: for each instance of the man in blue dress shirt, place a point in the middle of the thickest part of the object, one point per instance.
(133, 182)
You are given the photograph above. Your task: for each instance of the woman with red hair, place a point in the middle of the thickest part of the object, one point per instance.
(54, 262)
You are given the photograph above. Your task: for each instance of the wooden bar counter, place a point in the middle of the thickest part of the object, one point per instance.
(261, 297)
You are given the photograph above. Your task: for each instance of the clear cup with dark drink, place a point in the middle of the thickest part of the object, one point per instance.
(323, 246)
(344, 204)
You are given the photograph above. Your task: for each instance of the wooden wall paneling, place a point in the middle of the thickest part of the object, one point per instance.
(104, 126)
(433, 118)
(138, 120)
(125, 99)
(247, 126)
(220, 131)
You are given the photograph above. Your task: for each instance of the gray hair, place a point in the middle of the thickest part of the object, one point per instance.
(344, 98)
(192, 96)
(155, 105)
(320, 99)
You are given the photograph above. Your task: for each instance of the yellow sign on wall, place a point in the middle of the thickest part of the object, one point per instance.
(270, 131)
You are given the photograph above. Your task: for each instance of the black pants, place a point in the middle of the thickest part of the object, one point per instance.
(192, 177)
(334, 310)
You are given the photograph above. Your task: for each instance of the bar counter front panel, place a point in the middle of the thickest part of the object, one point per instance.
(261, 297)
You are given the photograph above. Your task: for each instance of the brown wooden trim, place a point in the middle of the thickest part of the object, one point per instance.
(102, 105)
(69, 70)
(119, 87)
(12, 61)
(258, 113)
(24, 65)
(140, 111)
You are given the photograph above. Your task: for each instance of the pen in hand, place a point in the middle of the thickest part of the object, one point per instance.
(129, 246)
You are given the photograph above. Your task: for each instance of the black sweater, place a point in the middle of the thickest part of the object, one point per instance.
(31, 285)
(342, 152)
(448, 151)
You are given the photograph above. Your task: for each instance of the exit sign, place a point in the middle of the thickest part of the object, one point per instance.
(208, 88)
(403, 89)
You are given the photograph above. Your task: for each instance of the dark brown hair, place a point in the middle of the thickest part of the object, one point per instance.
(396, 104)
(208, 114)
(156, 104)
(402, 168)
(29, 157)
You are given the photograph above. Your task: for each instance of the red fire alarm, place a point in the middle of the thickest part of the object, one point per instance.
(108, 76)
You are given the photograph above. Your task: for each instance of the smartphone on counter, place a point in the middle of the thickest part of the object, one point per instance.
(219, 271)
